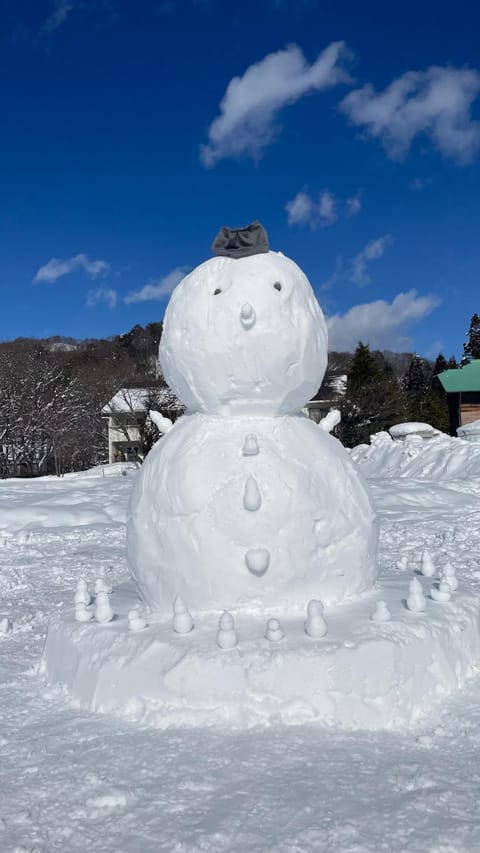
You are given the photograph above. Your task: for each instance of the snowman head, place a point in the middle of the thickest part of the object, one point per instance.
(246, 335)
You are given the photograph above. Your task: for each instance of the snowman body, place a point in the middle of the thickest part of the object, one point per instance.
(243, 472)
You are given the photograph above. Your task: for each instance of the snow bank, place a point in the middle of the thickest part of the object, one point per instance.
(87, 498)
(440, 458)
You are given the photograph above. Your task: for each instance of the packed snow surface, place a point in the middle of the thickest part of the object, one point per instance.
(75, 781)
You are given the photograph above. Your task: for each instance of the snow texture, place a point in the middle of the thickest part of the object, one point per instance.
(73, 781)
(245, 504)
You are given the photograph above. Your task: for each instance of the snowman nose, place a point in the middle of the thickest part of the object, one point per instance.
(247, 316)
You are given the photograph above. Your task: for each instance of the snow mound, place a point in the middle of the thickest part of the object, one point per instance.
(361, 674)
(413, 428)
(441, 457)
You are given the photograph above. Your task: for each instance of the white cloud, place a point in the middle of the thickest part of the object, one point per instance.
(102, 294)
(371, 252)
(58, 16)
(56, 268)
(301, 209)
(158, 289)
(246, 124)
(304, 210)
(419, 184)
(381, 324)
(327, 208)
(436, 102)
(354, 205)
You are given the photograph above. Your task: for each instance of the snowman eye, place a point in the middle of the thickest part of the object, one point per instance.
(277, 285)
(217, 291)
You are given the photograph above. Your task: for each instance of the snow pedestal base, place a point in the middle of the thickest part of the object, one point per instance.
(362, 674)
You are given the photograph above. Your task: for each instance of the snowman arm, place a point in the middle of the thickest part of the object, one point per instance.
(331, 420)
(162, 424)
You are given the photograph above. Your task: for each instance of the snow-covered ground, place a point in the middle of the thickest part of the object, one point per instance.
(74, 781)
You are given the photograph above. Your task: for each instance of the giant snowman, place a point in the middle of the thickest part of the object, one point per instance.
(245, 503)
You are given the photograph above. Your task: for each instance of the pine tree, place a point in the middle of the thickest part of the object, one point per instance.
(452, 363)
(373, 402)
(440, 365)
(471, 347)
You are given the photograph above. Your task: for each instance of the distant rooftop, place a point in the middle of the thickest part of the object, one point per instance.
(137, 400)
(466, 378)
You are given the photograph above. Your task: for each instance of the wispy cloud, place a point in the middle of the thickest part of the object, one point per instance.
(374, 250)
(57, 268)
(436, 103)
(102, 294)
(58, 16)
(158, 289)
(321, 212)
(354, 205)
(251, 103)
(419, 184)
(382, 324)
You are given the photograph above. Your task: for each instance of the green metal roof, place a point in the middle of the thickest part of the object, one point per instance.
(466, 378)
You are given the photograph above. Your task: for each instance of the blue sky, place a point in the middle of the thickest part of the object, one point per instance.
(132, 131)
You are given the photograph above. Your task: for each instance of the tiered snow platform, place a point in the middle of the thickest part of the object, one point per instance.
(360, 675)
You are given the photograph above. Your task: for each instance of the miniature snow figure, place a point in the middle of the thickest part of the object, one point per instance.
(82, 595)
(162, 423)
(101, 585)
(442, 593)
(226, 634)
(315, 625)
(449, 574)
(182, 622)
(416, 599)
(6, 626)
(244, 347)
(402, 563)
(136, 621)
(381, 612)
(274, 632)
(427, 569)
(103, 610)
(250, 446)
(82, 614)
(330, 421)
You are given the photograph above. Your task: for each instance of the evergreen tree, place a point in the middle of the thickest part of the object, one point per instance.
(471, 347)
(424, 396)
(440, 365)
(372, 402)
(452, 363)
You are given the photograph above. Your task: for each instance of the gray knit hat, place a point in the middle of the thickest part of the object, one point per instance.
(241, 242)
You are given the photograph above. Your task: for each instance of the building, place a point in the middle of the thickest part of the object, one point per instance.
(129, 427)
(329, 396)
(462, 387)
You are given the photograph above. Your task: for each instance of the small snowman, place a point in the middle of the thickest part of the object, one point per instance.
(250, 445)
(416, 599)
(381, 612)
(427, 568)
(101, 585)
(103, 610)
(450, 576)
(82, 595)
(82, 614)
(6, 626)
(274, 632)
(226, 634)
(315, 625)
(182, 621)
(442, 593)
(136, 621)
